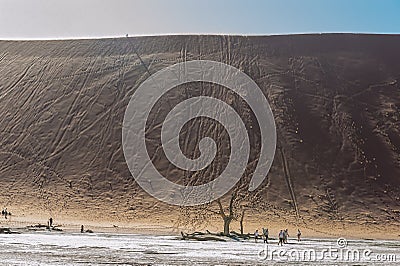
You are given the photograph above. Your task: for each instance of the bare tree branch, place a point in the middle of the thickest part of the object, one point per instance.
(221, 209)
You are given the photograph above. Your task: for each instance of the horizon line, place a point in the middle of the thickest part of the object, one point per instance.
(190, 34)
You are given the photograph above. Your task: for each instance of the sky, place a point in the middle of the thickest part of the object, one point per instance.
(65, 19)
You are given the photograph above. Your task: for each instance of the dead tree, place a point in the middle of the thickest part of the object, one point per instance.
(227, 217)
(239, 200)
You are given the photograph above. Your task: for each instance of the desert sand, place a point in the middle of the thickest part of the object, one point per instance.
(335, 99)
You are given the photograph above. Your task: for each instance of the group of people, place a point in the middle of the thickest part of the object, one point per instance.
(5, 213)
(264, 235)
(282, 236)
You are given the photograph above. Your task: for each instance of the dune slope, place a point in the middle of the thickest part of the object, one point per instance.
(335, 99)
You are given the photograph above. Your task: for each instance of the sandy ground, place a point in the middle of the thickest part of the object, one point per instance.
(120, 249)
(322, 229)
(335, 100)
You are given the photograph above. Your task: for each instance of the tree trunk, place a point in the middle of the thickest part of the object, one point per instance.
(241, 222)
(227, 222)
(227, 218)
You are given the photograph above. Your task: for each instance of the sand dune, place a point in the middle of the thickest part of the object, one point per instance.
(335, 99)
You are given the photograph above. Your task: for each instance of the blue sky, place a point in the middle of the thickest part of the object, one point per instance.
(49, 19)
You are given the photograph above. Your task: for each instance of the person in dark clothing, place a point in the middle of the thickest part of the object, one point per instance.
(298, 235)
(281, 238)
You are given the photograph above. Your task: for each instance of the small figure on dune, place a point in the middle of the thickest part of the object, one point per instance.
(298, 235)
(5, 213)
(281, 237)
(265, 234)
(82, 229)
(51, 222)
(256, 234)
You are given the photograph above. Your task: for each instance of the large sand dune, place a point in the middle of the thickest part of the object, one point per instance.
(335, 98)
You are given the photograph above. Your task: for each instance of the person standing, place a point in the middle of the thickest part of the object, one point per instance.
(281, 237)
(256, 234)
(265, 234)
(286, 235)
(51, 222)
(298, 235)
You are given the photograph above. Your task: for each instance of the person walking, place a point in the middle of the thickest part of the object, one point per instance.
(281, 237)
(298, 235)
(286, 235)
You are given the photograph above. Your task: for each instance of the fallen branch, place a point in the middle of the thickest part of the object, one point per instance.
(201, 237)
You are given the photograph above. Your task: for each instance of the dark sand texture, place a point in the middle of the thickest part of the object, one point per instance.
(335, 98)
